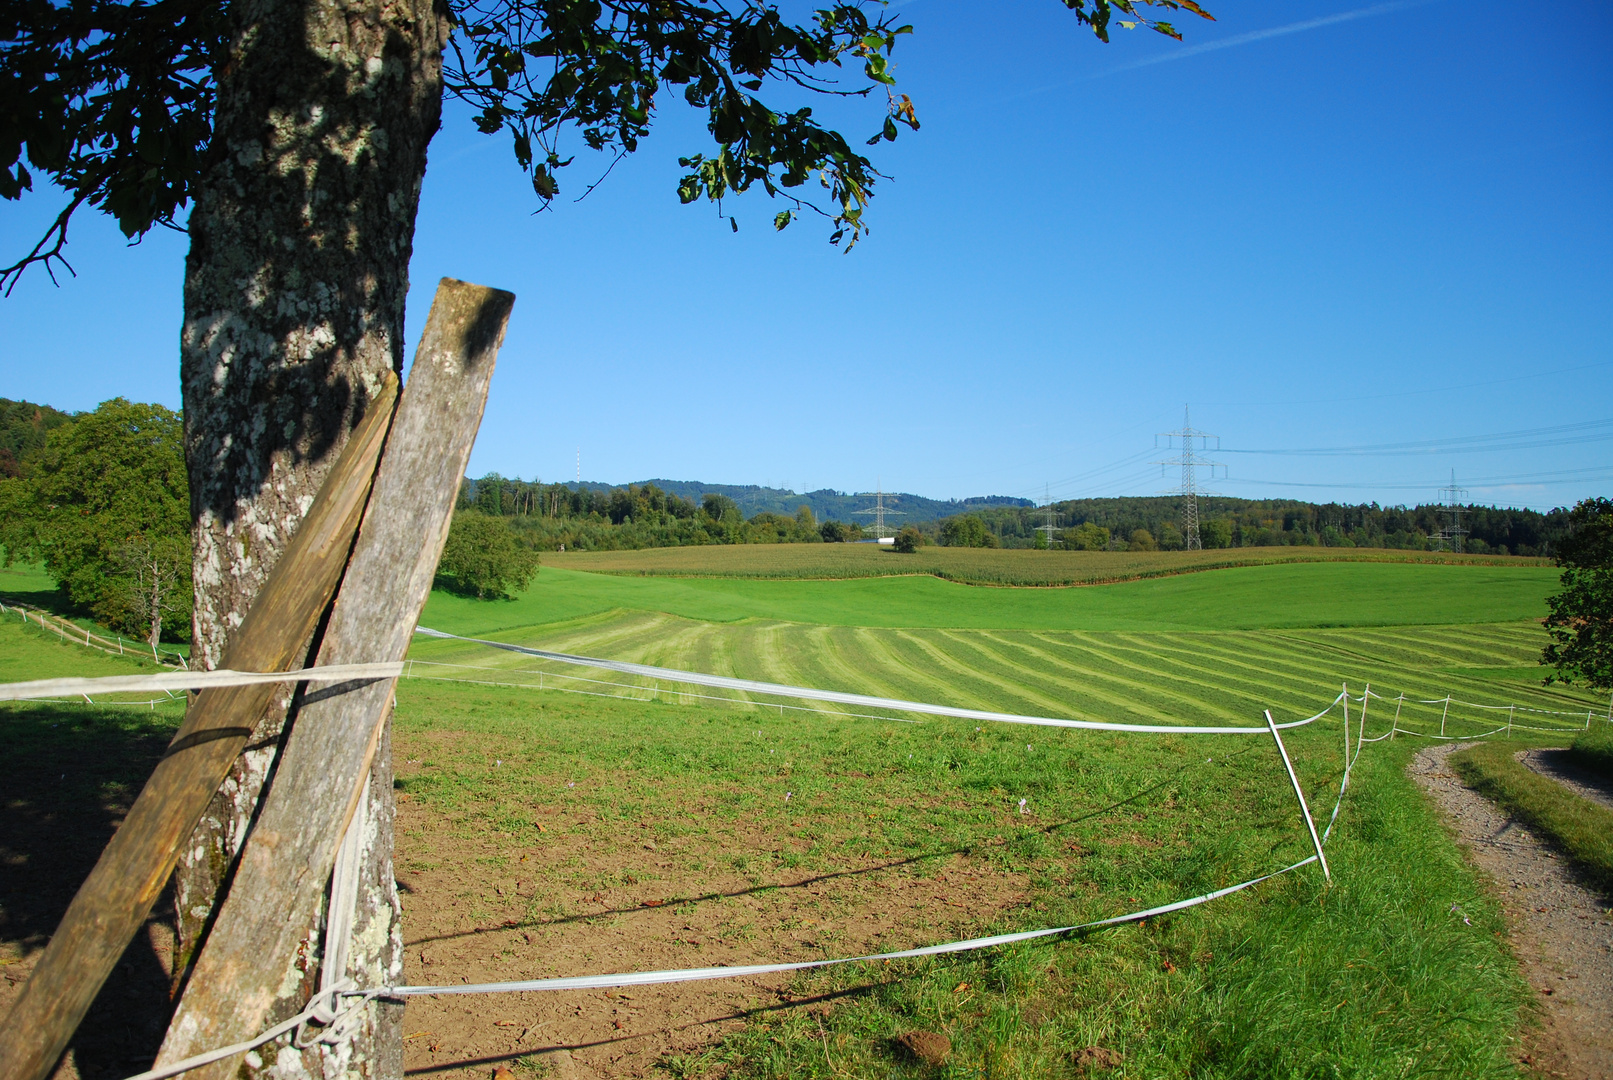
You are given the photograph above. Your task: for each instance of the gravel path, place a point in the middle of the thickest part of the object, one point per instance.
(1562, 932)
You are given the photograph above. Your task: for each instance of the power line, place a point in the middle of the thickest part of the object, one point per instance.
(1561, 476)
(1527, 439)
(1051, 527)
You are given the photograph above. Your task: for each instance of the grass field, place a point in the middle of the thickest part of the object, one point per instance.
(1293, 979)
(1594, 750)
(547, 833)
(1253, 597)
(979, 566)
(29, 584)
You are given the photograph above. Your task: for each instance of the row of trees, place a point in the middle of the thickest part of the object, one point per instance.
(549, 516)
(557, 517)
(102, 500)
(1149, 524)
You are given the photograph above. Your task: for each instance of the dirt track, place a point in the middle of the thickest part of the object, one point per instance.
(1561, 931)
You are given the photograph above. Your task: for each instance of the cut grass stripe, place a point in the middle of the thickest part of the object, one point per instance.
(1160, 685)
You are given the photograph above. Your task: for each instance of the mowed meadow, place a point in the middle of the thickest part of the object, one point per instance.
(661, 825)
(555, 820)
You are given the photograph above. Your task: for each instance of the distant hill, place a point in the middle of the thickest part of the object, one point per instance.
(826, 503)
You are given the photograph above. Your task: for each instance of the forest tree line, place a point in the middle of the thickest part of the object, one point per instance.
(1116, 523)
(582, 518)
(562, 517)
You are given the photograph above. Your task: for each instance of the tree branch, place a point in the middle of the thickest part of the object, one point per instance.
(13, 273)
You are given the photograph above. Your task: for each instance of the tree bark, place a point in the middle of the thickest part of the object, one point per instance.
(268, 929)
(294, 297)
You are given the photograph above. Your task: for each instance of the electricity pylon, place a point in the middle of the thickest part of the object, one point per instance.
(1452, 533)
(1190, 462)
(879, 510)
(1050, 528)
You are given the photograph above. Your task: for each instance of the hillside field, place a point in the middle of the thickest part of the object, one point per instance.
(976, 566)
(691, 832)
(638, 826)
(1249, 597)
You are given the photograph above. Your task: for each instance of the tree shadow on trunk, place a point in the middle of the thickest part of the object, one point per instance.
(71, 774)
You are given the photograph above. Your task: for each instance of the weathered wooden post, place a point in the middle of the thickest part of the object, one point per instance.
(118, 895)
(285, 866)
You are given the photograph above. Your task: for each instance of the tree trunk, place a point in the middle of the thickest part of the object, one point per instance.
(156, 605)
(294, 296)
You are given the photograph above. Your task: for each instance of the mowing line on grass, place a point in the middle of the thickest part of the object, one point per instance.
(865, 700)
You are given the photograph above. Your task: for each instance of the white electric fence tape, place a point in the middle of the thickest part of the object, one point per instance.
(192, 680)
(326, 1000)
(655, 978)
(862, 700)
(656, 693)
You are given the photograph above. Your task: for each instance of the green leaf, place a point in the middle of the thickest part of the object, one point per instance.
(543, 183)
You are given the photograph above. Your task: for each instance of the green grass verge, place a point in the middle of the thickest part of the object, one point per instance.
(28, 583)
(1289, 595)
(1594, 749)
(1577, 827)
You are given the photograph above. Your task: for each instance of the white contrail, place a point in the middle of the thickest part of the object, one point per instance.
(1262, 35)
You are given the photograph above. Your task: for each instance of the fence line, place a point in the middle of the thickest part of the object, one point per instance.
(337, 1002)
(93, 641)
(335, 1005)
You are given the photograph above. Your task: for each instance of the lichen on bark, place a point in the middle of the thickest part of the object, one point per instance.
(294, 293)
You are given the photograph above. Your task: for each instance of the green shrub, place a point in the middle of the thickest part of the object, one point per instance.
(909, 539)
(967, 530)
(1086, 537)
(483, 559)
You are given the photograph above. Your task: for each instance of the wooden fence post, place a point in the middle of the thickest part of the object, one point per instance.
(117, 896)
(286, 862)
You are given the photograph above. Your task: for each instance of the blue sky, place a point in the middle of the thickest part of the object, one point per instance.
(1324, 226)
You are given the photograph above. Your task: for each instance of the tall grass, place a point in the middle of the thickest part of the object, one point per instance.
(1594, 749)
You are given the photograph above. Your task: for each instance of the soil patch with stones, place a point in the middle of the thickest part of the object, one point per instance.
(1562, 932)
(488, 907)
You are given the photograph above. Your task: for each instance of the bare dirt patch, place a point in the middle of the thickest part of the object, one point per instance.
(591, 897)
(1562, 932)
